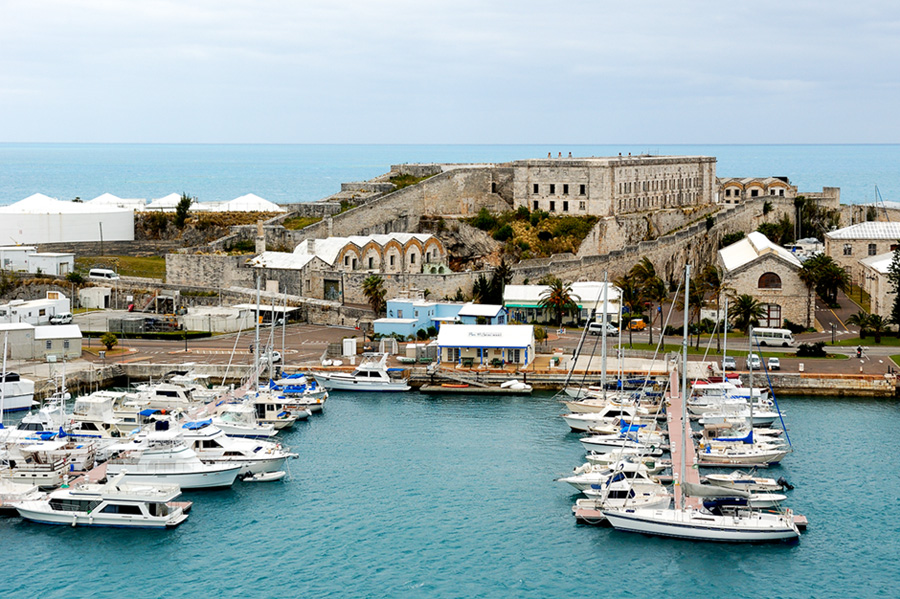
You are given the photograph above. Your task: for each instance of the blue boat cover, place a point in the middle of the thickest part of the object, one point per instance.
(748, 439)
(192, 426)
(149, 412)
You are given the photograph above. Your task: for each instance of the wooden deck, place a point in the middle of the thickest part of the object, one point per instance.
(675, 418)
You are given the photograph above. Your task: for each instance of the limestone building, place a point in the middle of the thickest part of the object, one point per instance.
(872, 274)
(849, 245)
(610, 186)
(755, 266)
(734, 190)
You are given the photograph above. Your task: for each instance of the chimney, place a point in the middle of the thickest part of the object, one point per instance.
(260, 238)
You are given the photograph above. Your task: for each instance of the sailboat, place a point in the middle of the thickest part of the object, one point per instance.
(726, 516)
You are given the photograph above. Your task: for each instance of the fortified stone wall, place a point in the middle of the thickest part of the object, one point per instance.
(210, 271)
(113, 248)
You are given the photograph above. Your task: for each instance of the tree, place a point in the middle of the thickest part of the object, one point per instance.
(631, 294)
(373, 289)
(746, 312)
(182, 210)
(712, 282)
(861, 320)
(810, 277)
(894, 278)
(878, 326)
(481, 290)
(780, 232)
(831, 278)
(696, 297)
(558, 299)
(109, 340)
(75, 277)
(501, 277)
(653, 288)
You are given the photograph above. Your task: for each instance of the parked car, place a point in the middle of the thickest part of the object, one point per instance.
(753, 362)
(264, 357)
(61, 318)
(596, 328)
(729, 363)
(774, 364)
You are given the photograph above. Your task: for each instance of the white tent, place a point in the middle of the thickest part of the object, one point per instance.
(42, 219)
(251, 203)
(164, 204)
(108, 199)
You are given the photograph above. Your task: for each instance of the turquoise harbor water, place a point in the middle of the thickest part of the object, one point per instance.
(304, 173)
(401, 495)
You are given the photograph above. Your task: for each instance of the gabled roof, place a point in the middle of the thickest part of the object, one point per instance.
(486, 310)
(486, 335)
(867, 230)
(754, 246)
(62, 331)
(329, 248)
(880, 263)
(281, 260)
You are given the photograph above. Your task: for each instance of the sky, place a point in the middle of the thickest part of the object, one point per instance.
(436, 71)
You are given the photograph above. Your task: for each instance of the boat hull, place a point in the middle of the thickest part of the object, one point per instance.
(355, 385)
(64, 518)
(213, 478)
(702, 527)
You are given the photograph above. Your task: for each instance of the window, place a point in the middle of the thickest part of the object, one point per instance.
(427, 257)
(565, 206)
(552, 206)
(727, 193)
(371, 262)
(848, 249)
(346, 260)
(772, 191)
(754, 193)
(65, 344)
(453, 354)
(49, 344)
(42, 311)
(412, 258)
(582, 205)
(514, 355)
(392, 259)
(536, 188)
(536, 204)
(581, 189)
(552, 188)
(130, 510)
(769, 280)
(771, 316)
(493, 187)
(872, 249)
(565, 189)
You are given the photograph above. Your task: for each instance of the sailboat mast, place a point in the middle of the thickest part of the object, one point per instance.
(685, 425)
(3, 386)
(256, 342)
(750, 381)
(603, 344)
(725, 339)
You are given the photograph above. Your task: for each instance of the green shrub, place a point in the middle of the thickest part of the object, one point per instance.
(484, 220)
(812, 350)
(503, 233)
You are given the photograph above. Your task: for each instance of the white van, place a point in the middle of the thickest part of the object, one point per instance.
(103, 274)
(596, 328)
(61, 318)
(782, 337)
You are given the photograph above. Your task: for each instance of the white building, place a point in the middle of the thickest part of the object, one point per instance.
(485, 345)
(35, 312)
(523, 302)
(28, 342)
(849, 245)
(41, 219)
(15, 257)
(51, 263)
(872, 274)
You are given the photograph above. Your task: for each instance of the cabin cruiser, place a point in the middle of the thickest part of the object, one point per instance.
(239, 420)
(37, 464)
(742, 480)
(161, 456)
(18, 392)
(44, 424)
(213, 446)
(370, 375)
(620, 491)
(270, 409)
(302, 390)
(630, 436)
(12, 493)
(610, 413)
(93, 416)
(114, 503)
(587, 476)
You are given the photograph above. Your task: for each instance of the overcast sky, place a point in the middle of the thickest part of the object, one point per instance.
(461, 71)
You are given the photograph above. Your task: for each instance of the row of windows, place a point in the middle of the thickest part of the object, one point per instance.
(659, 185)
(551, 205)
(351, 262)
(754, 193)
(872, 249)
(679, 199)
(536, 189)
(512, 355)
(49, 344)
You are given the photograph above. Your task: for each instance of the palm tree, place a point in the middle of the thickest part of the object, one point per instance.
(558, 299)
(878, 325)
(712, 281)
(501, 277)
(831, 278)
(481, 290)
(373, 289)
(810, 276)
(746, 312)
(631, 296)
(653, 289)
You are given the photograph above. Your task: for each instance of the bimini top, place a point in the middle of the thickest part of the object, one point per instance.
(197, 424)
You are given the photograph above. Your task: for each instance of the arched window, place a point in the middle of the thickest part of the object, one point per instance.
(769, 280)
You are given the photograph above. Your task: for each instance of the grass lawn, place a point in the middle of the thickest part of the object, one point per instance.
(896, 359)
(116, 351)
(298, 222)
(886, 340)
(715, 357)
(128, 266)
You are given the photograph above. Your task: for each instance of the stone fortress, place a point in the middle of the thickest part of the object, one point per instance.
(671, 209)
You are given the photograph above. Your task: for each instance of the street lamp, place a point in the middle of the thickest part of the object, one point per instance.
(832, 333)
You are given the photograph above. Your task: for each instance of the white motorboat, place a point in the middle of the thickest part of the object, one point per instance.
(213, 446)
(93, 416)
(18, 392)
(584, 479)
(272, 410)
(45, 424)
(766, 500)
(264, 477)
(162, 457)
(629, 437)
(738, 454)
(36, 464)
(610, 413)
(301, 389)
(111, 504)
(12, 493)
(599, 404)
(371, 375)
(741, 480)
(239, 420)
(651, 461)
(725, 415)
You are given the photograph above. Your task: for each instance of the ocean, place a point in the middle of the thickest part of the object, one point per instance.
(405, 495)
(305, 173)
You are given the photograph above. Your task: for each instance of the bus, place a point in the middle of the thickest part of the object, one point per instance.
(782, 337)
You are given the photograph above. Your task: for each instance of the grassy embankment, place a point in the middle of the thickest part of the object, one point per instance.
(153, 267)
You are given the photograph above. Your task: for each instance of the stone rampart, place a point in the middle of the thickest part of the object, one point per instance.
(113, 248)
